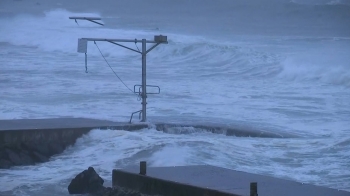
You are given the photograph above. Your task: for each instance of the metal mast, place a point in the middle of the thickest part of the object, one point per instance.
(142, 91)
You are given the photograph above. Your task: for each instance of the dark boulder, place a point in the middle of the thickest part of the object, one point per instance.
(87, 181)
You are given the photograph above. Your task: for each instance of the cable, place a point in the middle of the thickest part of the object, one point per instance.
(112, 69)
(136, 45)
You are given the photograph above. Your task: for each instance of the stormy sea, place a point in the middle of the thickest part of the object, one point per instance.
(273, 65)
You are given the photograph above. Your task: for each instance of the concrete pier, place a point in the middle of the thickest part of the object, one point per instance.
(29, 141)
(62, 123)
(13, 132)
(212, 181)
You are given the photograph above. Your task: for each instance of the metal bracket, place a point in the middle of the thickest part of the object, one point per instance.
(140, 93)
(132, 114)
(140, 87)
(91, 19)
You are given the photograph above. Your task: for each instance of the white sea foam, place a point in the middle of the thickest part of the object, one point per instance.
(108, 149)
(280, 84)
(322, 65)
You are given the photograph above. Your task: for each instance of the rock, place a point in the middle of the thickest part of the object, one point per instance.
(107, 191)
(87, 181)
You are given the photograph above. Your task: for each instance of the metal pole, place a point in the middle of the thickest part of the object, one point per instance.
(143, 167)
(82, 48)
(144, 94)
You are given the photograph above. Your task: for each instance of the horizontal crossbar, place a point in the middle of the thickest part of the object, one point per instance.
(85, 18)
(123, 40)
